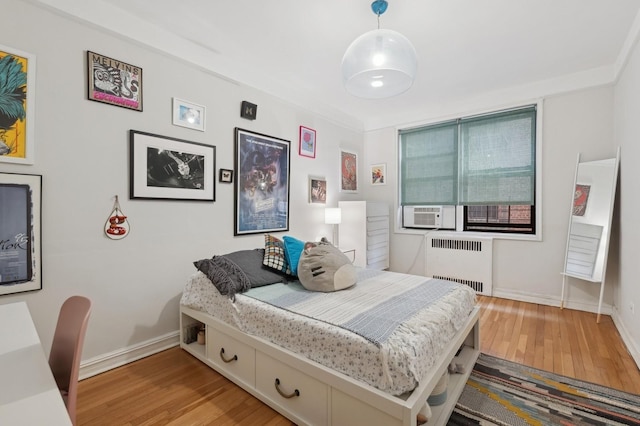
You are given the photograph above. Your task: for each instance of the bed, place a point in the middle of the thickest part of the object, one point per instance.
(371, 354)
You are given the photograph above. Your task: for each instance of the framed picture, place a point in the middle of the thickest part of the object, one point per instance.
(580, 198)
(226, 176)
(20, 220)
(379, 174)
(307, 146)
(114, 82)
(317, 190)
(188, 114)
(170, 169)
(18, 72)
(262, 184)
(348, 171)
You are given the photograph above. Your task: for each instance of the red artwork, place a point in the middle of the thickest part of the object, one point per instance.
(580, 197)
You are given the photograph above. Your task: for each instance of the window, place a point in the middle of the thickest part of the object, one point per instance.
(484, 163)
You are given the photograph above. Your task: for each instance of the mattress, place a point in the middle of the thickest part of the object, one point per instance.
(392, 364)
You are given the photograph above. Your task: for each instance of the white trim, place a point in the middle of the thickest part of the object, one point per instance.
(123, 356)
(633, 350)
(541, 299)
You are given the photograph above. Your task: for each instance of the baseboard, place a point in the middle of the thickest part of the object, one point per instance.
(551, 301)
(632, 348)
(123, 356)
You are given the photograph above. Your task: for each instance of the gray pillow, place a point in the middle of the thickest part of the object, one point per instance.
(325, 268)
(250, 261)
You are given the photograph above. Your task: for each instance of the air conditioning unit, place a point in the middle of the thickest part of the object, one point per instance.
(429, 217)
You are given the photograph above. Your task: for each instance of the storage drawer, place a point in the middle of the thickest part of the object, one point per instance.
(377, 209)
(232, 356)
(310, 403)
(375, 223)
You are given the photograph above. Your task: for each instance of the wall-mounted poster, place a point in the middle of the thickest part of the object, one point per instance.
(348, 171)
(378, 174)
(114, 82)
(17, 101)
(580, 198)
(20, 197)
(317, 190)
(262, 183)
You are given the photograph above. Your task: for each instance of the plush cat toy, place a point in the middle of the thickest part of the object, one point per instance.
(323, 267)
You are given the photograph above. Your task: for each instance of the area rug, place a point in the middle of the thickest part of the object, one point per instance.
(500, 392)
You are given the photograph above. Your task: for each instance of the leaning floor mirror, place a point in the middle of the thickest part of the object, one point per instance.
(590, 223)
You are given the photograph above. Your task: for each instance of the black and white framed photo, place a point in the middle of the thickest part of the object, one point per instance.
(20, 234)
(262, 183)
(187, 114)
(167, 168)
(226, 176)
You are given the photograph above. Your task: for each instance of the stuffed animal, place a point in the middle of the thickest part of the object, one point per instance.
(323, 267)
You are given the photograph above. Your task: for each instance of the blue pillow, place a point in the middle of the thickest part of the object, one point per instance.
(292, 251)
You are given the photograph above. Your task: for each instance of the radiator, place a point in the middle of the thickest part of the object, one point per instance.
(466, 260)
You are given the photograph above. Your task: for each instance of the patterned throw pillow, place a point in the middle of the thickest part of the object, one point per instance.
(274, 256)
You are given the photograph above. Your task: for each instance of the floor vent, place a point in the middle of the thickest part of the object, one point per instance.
(466, 260)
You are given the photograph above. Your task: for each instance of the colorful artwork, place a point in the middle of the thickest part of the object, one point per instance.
(114, 82)
(378, 174)
(17, 71)
(348, 171)
(317, 190)
(307, 142)
(580, 197)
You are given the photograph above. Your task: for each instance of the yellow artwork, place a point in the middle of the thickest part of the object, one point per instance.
(14, 71)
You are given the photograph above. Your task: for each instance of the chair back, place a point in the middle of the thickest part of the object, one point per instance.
(66, 349)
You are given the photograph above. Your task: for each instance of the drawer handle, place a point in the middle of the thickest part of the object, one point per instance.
(285, 395)
(235, 357)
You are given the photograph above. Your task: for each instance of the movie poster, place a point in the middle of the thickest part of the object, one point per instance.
(15, 234)
(262, 185)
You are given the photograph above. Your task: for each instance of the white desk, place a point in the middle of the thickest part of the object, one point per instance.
(28, 392)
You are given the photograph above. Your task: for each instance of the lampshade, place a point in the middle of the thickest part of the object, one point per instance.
(380, 63)
(332, 216)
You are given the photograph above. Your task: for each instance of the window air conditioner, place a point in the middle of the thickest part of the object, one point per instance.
(422, 216)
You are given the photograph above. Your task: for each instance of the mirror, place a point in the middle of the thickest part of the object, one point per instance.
(590, 222)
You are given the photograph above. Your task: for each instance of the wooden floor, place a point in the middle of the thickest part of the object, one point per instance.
(173, 388)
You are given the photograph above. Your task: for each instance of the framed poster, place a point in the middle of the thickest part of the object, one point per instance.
(262, 183)
(307, 147)
(348, 171)
(18, 74)
(187, 114)
(378, 174)
(114, 82)
(20, 220)
(170, 169)
(580, 198)
(317, 190)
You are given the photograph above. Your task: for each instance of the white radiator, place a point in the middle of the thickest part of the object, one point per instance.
(466, 260)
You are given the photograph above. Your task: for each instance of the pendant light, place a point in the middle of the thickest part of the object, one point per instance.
(380, 63)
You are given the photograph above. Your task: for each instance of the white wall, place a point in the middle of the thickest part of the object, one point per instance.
(82, 153)
(627, 135)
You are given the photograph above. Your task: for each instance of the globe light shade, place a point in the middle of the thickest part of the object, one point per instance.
(379, 64)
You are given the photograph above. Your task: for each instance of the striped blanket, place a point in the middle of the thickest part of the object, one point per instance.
(368, 309)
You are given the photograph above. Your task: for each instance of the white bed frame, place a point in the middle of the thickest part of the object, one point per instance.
(311, 394)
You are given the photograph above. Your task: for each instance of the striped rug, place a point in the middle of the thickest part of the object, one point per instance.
(500, 392)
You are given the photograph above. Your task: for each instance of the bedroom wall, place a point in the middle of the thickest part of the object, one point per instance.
(82, 153)
(627, 134)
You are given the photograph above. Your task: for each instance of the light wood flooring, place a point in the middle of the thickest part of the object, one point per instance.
(173, 388)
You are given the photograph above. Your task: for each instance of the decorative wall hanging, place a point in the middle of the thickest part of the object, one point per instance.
(348, 171)
(317, 190)
(114, 82)
(18, 85)
(307, 146)
(378, 174)
(20, 221)
(580, 198)
(170, 169)
(262, 183)
(226, 176)
(117, 225)
(248, 110)
(188, 114)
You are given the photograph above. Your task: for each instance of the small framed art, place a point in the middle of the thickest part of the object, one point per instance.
(226, 176)
(307, 147)
(187, 114)
(18, 74)
(348, 171)
(170, 169)
(114, 82)
(317, 190)
(378, 174)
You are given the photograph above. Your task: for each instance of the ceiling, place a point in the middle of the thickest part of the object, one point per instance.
(470, 51)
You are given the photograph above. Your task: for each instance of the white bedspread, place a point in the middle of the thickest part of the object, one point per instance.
(395, 367)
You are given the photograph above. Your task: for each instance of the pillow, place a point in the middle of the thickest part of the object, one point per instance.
(250, 262)
(225, 275)
(274, 256)
(325, 268)
(292, 251)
